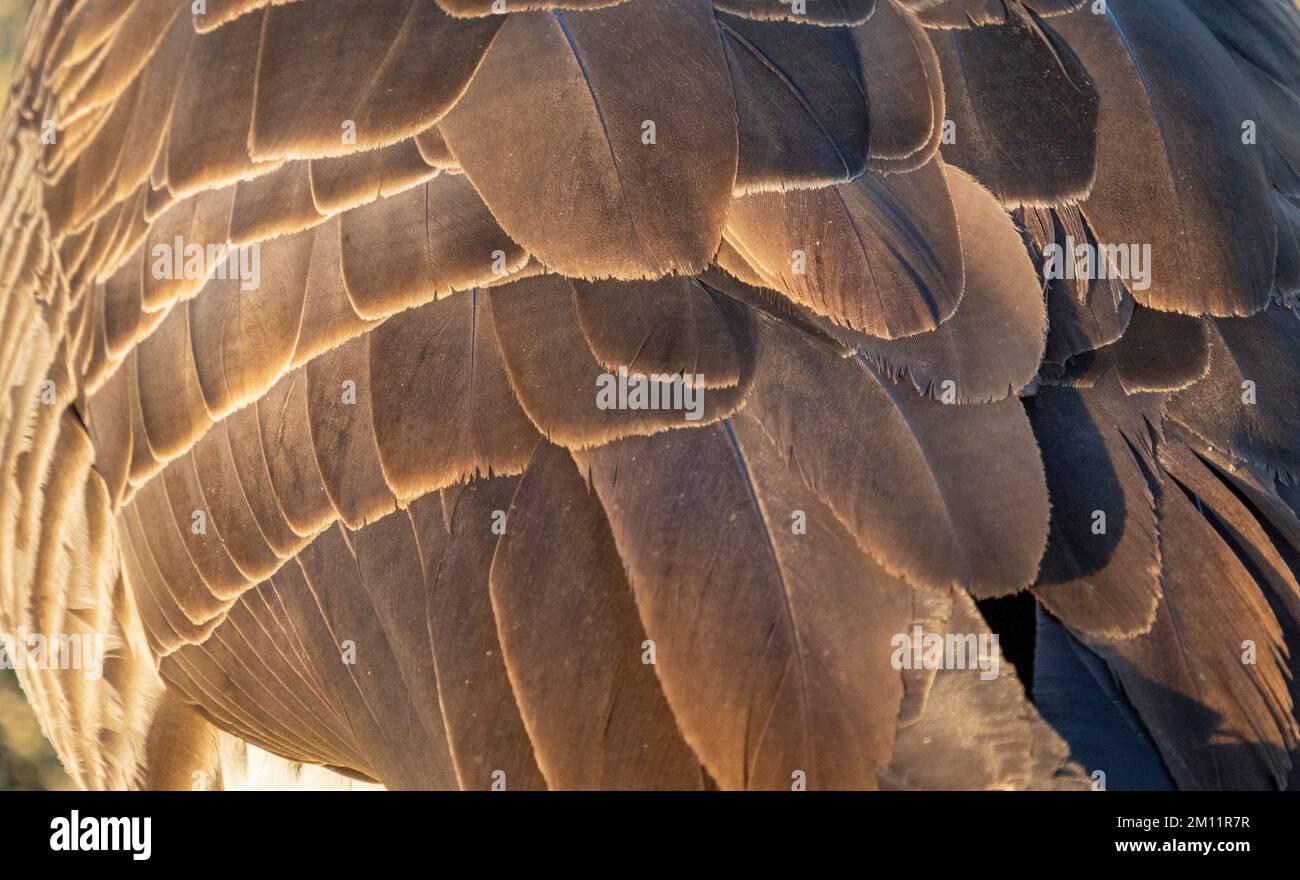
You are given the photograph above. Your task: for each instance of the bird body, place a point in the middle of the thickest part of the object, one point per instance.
(586, 394)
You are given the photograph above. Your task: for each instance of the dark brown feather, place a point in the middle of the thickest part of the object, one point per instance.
(1202, 200)
(801, 104)
(599, 718)
(878, 254)
(1023, 110)
(641, 209)
(763, 651)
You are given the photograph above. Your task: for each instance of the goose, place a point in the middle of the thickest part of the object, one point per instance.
(655, 394)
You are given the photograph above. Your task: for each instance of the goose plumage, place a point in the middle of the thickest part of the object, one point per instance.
(344, 497)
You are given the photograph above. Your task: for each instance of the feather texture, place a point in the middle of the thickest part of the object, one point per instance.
(901, 522)
(801, 103)
(368, 77)
(1027, 152)
(878, 254)
(768, 692)
(1101, 571)
(628, 219)
(904, 89)
(418, 492)
(1158, 97)
(600, 719)
(1244, 404)
(991, 347)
